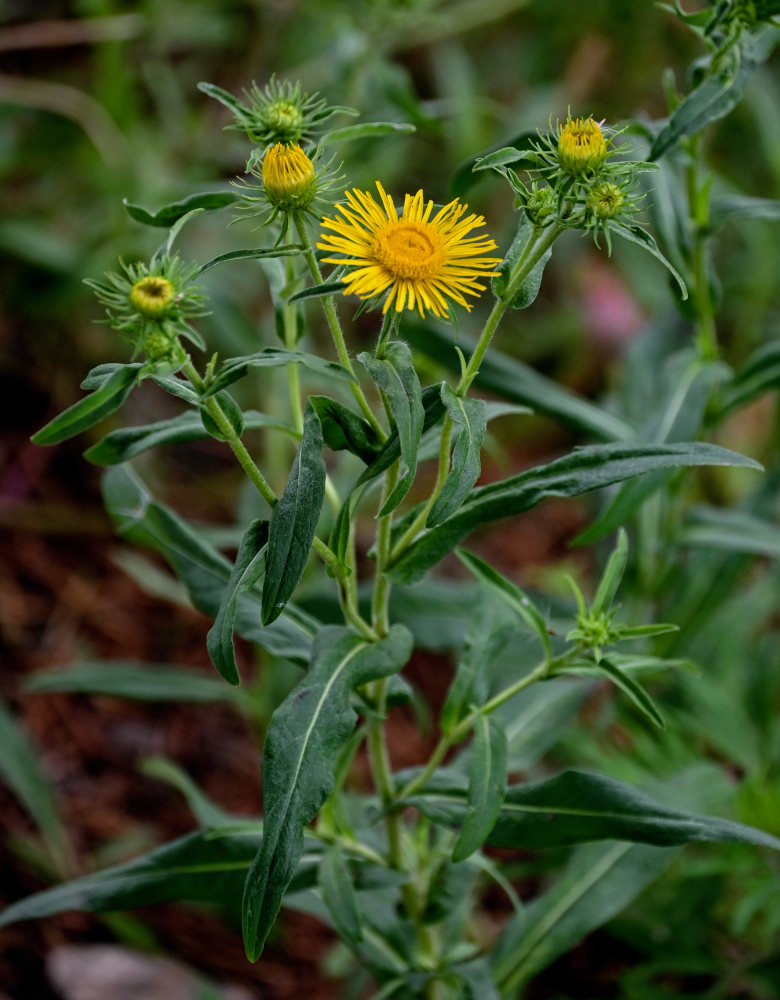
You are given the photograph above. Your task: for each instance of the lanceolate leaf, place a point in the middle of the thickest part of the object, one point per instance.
(760, 373)
(208, 866)
(202, 569)
(470, 415)
(169, 215)
(527, 292)
(304, 738)
(137, 681)
(88, 411)
(249, 567)
(633, 689)
(338, 894)
(396, 377)
(257, 253)
(510, 379)
(363, 130)
(578, 806)
(600, 880)
(511, 594)
(486, 636)
(487, 786)
(585, 469)
(712, 99)
(273, 357)
(344, 430)
(294, 520)
(641, 238)
(127, 442)
(732, 531)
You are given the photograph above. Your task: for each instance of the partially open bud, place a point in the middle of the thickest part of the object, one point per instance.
(288, 177)
(541, 205)
(283, 119)
(581, 146)
(151, 295)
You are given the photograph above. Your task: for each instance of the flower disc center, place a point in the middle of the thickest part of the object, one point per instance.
(151, 294)
(409, 249)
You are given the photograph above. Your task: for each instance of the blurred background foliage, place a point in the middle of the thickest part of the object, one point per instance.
(99, 102)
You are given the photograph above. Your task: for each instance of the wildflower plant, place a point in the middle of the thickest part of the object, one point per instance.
(398, 869)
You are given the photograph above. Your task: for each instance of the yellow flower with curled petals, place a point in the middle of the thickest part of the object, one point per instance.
(419, 260)
(288, 176)
(581, 146)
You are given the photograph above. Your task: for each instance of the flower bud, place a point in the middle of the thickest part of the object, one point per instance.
(581, 146)
(288, 176)
(541, 205)
(605, 200)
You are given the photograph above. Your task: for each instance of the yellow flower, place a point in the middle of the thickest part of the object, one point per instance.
(418, 260)
(288, 176)
(151, 295)
(581, 146)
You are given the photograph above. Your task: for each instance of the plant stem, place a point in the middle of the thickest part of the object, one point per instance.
(335, 328)
(230, 435)
(290, 341)
(699, 210)
(537, 246)
(462, 729)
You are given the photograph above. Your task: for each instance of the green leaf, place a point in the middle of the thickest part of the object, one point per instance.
(338, 894)
(256, 253)
(208, 866)
(467, 174)
(273, 357)
(21, 772)
(364, 130)
(110, 395)
(249, 567)
(317, 291)
(486, 636)
(759, 374)
(599, 882)
(734, 207)
(527, 292)
(137, 681)
(433, 410)
(344, 430)
(304, 738)
(711, 100)
(204, 571)
(294, 520)
(125, 443)
(396, 377)
(577, 806)
(166, 217)
(511, 594)
(635, 234)
(476, 978)
(732, 531)
(206, 812)
(232, 411)
(585, 469)
(633, 689)
(470, 415)
(611, 577)
(510, 379)
(487, 786)
(678, 418)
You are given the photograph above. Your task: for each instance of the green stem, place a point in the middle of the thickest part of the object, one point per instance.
(230, 435)
(464, 726)
(441, 476)
(290, 341)
(380, 616)
(699, 209)
(335, 328)
(537, 246)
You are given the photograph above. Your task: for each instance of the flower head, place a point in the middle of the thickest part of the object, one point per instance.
(149, 304)
(418, 260)
(151, 295)
(288, 176)
(605, 200)
(278, 112)
(582, 147)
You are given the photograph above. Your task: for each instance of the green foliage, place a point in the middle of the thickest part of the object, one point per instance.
(533, 754)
